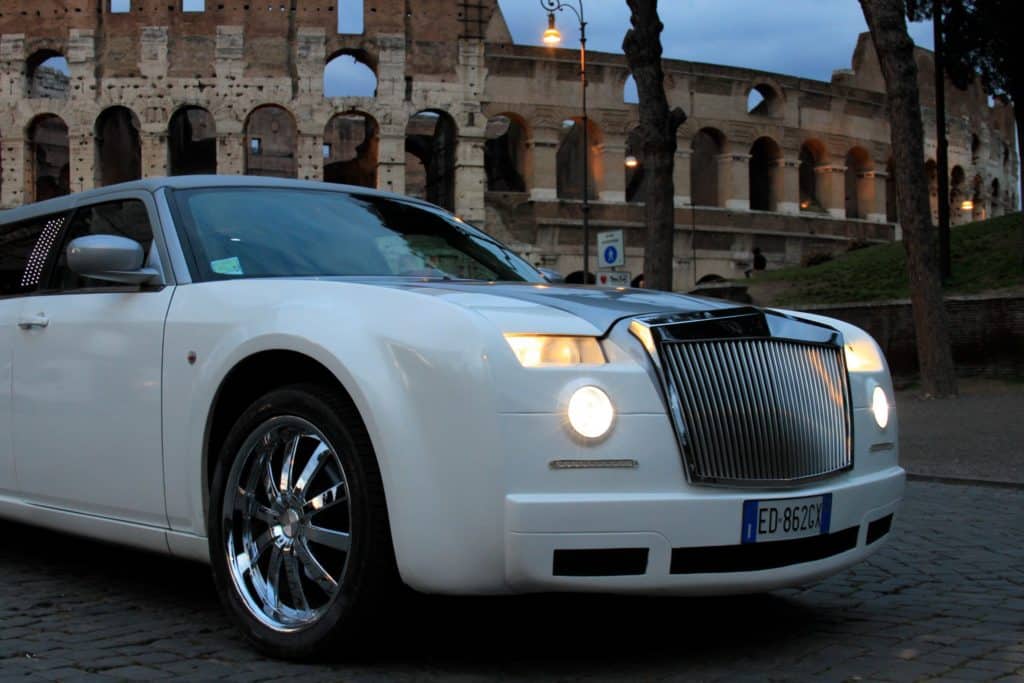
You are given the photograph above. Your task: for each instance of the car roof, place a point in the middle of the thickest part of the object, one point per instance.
(151, 185)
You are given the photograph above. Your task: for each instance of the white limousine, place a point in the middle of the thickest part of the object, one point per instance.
(322, 390)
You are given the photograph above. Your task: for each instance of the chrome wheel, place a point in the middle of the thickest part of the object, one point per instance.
(287, 523)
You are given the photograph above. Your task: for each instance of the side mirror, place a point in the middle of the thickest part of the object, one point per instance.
(551, 275)
(111, 258)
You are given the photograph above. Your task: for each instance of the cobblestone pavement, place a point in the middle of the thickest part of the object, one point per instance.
(945, 598)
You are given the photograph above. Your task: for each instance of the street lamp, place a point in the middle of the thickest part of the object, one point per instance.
(553, 37)
(632, 162)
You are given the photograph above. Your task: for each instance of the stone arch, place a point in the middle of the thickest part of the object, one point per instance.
(812, 155)
(994, 198)
(957, 194)
(351, 144)
(707, 145)
(931, 172)
(118, 146)
(636, 173)
(978, 212)
(975, 149)
(763, 100)
(350, 73)
(765, 175)
(859, 186)
(47, 75)
(630, 94)
(191, 142)
(572, 155)
(47, 152)
(506, 153)
(271, 138)
(431, 140)
(892, 211)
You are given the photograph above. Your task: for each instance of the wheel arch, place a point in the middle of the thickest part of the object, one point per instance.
(250, 378)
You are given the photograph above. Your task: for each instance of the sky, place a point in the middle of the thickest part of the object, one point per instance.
(807, 38)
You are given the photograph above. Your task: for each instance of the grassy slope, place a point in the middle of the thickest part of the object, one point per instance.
(986, 256)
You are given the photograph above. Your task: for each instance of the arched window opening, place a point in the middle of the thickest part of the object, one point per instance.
(978, 210)
(931, 172)
(118, 149)
(120, 6)
(765, 175)
(975, 150)
(859, 186)
(630, 93)
(348, 75)
(762, 100)
(270, 143)
(505, 154)
(892, 212)
(192, 142)
(957, 195)
(48, 156)
(636, 174)
(995, 199)
(430, 144)
(351, 142)
(193, 5)
(812, 155)
(572, 156)
(708, 144)
(49, 75)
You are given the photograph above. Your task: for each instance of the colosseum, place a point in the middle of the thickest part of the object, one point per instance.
(449, 108)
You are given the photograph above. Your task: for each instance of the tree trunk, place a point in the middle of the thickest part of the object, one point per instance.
(896, 55)
(658, 126)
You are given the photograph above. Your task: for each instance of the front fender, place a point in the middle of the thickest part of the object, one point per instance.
(418, 370)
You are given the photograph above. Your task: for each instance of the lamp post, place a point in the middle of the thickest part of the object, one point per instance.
(553, 37)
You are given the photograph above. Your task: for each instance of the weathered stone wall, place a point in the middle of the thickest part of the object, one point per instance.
(807, 160)
(987, 332)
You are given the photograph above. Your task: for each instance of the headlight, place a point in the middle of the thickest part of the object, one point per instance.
(862, 355)
(536, 350)
(591, 412)
(880, 407)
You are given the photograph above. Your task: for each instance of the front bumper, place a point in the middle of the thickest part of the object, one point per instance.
(686, 542)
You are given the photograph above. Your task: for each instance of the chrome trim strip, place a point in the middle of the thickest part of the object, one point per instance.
(593, 464)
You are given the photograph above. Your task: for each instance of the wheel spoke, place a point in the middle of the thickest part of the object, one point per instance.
(332, 496)
(339, 540)
(261, 544)
(313, 465)
(315, 570)
(268, 482)
(288, 463)
(291, 567)
(273, 596)
(263, 514)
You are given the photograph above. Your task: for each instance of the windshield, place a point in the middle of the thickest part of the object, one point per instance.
(238, 232)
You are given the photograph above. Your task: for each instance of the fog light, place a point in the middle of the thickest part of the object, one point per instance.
(591, 412)
(880, 407)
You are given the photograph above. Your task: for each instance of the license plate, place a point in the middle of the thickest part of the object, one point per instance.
(787, 518)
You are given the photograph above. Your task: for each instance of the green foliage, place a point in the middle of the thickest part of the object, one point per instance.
(986, 256)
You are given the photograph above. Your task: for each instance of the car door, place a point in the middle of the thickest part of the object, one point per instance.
(87, 379)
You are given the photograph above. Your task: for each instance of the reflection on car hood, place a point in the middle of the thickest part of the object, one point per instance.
(600, 307)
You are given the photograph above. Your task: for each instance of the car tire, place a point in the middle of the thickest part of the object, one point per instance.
(299, 538)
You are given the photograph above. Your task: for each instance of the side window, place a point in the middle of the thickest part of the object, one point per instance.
(126, 218)
(24, 250)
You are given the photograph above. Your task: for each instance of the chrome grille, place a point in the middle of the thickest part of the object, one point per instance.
(759, 410)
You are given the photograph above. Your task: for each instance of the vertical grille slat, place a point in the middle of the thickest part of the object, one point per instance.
(760, 410)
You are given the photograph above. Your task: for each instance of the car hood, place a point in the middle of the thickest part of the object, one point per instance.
(523, 306)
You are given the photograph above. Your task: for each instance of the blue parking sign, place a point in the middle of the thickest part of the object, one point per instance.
(611, 255)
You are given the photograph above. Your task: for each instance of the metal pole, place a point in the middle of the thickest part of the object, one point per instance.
(586, 149)
(942, 156)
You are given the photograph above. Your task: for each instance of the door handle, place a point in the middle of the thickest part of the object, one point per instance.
(28, 322)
